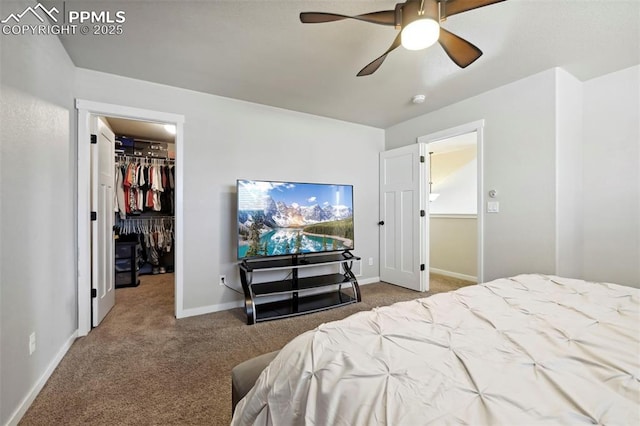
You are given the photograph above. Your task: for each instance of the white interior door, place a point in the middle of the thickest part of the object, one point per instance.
(404, 224)
(102, 246)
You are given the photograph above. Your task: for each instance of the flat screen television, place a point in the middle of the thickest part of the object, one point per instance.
(288, 218)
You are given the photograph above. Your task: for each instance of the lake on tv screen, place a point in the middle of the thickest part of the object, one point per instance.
(285, 241)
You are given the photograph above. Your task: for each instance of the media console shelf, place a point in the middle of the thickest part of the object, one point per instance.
(296, 295)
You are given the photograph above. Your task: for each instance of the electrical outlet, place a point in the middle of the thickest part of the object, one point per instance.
(32, 343)
(223, 280)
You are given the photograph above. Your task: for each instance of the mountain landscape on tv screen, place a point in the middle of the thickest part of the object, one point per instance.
(281, 228)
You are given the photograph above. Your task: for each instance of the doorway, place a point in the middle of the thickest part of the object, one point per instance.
(456, 208)
(87, 113)
(145, 213)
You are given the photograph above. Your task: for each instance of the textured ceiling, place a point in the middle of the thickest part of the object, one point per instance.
(258, 51)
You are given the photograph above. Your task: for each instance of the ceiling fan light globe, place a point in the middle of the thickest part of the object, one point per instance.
(420, 34)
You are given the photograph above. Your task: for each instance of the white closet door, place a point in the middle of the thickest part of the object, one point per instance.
(102, 193)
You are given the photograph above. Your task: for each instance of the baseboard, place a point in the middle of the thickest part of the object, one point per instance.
(454, 274)
(37, 387)
(369, 281)
(192, 312)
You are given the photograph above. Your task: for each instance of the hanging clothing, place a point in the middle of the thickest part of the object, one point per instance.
(119, 203)
(143, 187)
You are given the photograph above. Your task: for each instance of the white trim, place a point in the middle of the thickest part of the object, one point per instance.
(179, 222)
(122, 111)
(26, 402)
(478, 127)
(452, 132)
(453, 216)
(84, 225)
(369, 281)
(85, 110)
(201, 310)
(453, 274)
(480, 159)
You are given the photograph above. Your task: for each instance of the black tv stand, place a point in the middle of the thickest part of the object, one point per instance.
(295, 294)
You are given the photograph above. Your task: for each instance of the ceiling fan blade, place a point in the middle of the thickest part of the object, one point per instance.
(459, 50)
(453, 7)
(383, 17)
(375, 64)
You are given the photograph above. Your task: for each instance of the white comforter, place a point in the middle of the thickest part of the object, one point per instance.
(525, 350)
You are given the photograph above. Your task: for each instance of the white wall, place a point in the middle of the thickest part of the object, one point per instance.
(37, 230)
(569, 162)
(453, 245)
(455, 178)
(227, 139)
(611, 177)
(519, 162)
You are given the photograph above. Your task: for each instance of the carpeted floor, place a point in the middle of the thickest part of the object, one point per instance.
(141, 366)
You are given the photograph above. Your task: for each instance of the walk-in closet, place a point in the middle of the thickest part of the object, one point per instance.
(144, 208)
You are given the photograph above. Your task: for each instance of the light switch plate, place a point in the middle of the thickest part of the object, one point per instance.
(493, 206)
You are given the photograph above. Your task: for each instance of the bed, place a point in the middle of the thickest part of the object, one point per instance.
(530, 349)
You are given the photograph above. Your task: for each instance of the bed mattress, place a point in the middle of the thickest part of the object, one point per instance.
(530, 349)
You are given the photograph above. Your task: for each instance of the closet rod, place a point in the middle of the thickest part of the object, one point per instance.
(167, 217)
(143, 157)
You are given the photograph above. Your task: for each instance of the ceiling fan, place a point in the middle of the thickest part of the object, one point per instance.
(419, 25)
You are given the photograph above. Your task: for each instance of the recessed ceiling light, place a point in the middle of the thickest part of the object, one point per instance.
(418, 99)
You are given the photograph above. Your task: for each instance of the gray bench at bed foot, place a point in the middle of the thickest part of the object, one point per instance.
(245, 374)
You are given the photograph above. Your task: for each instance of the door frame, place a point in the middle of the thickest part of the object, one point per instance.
(86, 109)
(478, 127)
(104, 281)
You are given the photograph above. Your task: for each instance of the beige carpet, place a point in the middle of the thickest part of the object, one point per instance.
(141, 366)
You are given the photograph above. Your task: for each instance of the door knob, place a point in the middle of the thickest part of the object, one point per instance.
(381, 223)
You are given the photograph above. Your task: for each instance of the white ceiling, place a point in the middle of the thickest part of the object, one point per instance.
(144, 130)
(259, 51)
(468, 140)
